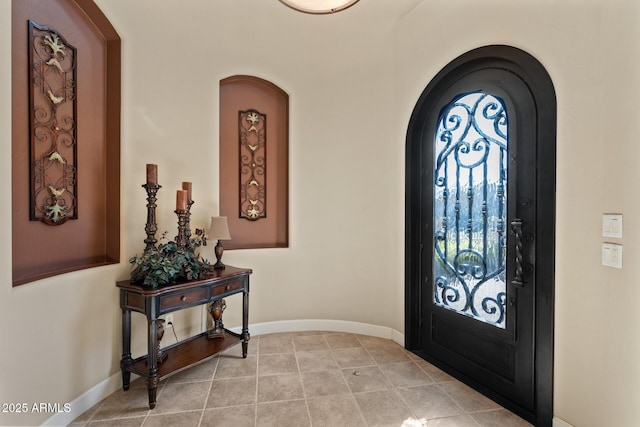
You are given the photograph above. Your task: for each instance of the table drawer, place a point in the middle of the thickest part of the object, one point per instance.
(183, 299)
(229, 287)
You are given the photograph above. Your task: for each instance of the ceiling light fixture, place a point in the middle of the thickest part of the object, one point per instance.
(319, 7)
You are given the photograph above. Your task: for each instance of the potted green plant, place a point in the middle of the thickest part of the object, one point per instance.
(169, 263)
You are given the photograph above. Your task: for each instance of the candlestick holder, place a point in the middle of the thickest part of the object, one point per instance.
(181, 239)
(151, 226)
(187, 230)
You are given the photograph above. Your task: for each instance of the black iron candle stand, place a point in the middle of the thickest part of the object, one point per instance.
(181, 239)
(151, 227)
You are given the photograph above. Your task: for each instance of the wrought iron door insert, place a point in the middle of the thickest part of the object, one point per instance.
(469, 209)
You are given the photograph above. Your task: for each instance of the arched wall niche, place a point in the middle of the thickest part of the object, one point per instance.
(254, 164)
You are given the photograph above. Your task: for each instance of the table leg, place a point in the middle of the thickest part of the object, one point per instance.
(126, 360)
(245, 324)
(152, 361)
(152, 387)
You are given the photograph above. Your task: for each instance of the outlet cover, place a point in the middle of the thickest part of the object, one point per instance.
(168, 318)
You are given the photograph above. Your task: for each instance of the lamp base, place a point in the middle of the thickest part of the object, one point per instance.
(219, 250)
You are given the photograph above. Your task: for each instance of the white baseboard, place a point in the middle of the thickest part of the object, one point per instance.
(94, 395)
(86, 400)
(324, 325)
(557, 422)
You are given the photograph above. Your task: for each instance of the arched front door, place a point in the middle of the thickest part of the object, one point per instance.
(480, 218)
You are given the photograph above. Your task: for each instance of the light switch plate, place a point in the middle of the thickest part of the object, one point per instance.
(612, 255)
(612, 225)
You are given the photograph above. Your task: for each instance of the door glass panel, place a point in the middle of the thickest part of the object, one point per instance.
(469, 209)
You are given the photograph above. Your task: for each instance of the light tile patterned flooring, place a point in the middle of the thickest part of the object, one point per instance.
(306, 379)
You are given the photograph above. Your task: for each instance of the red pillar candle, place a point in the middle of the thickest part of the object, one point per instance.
(187, 186)
(181, 200)
(152, 174)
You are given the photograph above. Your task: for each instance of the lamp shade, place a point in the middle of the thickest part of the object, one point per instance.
(219, 229)
(319, 6)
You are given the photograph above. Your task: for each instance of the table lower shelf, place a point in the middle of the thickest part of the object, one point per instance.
(186, 353)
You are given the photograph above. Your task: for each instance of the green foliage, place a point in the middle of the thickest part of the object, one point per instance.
(168, 264)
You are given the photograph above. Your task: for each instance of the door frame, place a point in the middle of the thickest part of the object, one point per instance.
(536, 78)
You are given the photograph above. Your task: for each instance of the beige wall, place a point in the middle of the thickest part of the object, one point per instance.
(353, 79)
(344, 260)
(590, 50)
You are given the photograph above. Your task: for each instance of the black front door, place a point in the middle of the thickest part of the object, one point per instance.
(478, 216)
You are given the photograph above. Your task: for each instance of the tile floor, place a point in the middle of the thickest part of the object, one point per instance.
(306, 379)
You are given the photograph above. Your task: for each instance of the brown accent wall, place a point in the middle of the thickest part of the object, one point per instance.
(93, 239)
(243, 93)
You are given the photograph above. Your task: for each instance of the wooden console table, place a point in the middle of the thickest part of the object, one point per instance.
(155, 302)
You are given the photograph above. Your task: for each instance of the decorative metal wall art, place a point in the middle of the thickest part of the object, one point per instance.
(470, 210)
(53, 168)
(253, 164)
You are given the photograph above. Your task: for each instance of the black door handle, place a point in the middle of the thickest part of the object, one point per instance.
(516, 230)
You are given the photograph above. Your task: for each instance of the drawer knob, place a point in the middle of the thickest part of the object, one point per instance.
(183, 298)
(228, 287)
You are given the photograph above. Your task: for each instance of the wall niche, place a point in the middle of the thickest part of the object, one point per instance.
(254, 164)
(65, 138)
